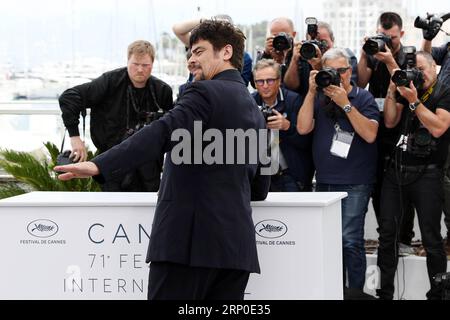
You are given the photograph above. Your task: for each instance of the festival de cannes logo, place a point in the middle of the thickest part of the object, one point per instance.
(271, 229)
(42, 228)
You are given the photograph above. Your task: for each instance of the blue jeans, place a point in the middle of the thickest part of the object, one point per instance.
(354, 209)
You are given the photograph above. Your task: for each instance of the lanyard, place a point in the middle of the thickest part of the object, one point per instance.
(428, 93)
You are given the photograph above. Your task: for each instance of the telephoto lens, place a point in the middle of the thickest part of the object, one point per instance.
(327, 77)
(376, 44)
(281, 42)
(402, 78)
(308, 50)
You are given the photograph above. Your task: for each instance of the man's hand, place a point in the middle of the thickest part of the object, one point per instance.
(276, 55)
(410, 93)
(278, 121)
(337, 94)
(79, 153)
(316, 63)
(77, 170)
(312, 81)
(269, 45)
(296, 53)
(385, 57)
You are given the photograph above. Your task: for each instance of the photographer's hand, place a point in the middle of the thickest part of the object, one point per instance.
(388, 59)
(312, 81)
(337, 94)
(269, 46)
(79, 153)
(77, 170)
(433, 29)
(316, 63)
(278, 121)
(296, 53)
(410, 93)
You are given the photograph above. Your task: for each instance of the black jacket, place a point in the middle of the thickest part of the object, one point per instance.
(108, 100)
(203, 217)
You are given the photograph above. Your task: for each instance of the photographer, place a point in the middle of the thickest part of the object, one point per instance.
(297, 74)
(376, 70)
(344, 122)
(121, 102)
(441, 56)
(283, 29)
(280, 107)
(414, 174)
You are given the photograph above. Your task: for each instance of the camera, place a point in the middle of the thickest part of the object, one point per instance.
(267, 112)
(309, 48)
(63, 158)
(144, 118)
(431, 25)
(377, 44)
(421, 143)
(327, 77)
(402, 78)
(282, 41)
(443, 280)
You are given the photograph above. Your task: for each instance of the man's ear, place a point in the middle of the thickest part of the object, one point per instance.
(227, 52)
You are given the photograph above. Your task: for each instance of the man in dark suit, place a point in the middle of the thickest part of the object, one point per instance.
(202, 244)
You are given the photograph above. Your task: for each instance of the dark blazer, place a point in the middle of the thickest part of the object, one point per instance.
(296, 148)
(203, 216)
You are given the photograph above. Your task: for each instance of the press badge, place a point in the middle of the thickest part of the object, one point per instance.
(342, 141)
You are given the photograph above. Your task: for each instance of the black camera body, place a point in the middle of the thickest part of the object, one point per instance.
(327, 77)
(144, 118)
(431, 24)
(267, 112)
(282, 41)
(309, 48)
(63, 158)
(377, 44)
(421, 143)
(402, 78)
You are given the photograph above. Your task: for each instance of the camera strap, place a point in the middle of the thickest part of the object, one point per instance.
(424, 98)
(83, 114)
(131, 99)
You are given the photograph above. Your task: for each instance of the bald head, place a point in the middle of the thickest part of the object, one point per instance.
(282, 24)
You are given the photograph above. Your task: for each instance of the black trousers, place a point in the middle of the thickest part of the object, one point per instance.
(426, 194)
(172, 281)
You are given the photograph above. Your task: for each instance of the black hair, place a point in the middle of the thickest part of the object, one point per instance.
(389, 19)
(220, 34)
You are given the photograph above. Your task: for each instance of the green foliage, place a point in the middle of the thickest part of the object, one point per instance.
(38, 174)
(10, 190)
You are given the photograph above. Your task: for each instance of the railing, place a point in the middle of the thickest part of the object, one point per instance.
(27, 125)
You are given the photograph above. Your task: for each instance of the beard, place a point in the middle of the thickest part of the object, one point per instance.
(200, 74)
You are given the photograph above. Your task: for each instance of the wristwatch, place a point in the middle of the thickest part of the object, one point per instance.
(413, 106)
(347, 108)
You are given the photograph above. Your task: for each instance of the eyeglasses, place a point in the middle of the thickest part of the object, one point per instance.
(260, 82)
(342, 70)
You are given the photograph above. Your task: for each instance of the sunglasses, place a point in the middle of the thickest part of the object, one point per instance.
(342, 70)
(260, 82)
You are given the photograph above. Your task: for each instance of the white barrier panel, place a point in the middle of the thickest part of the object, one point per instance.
(411, 279)
(75, 245)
